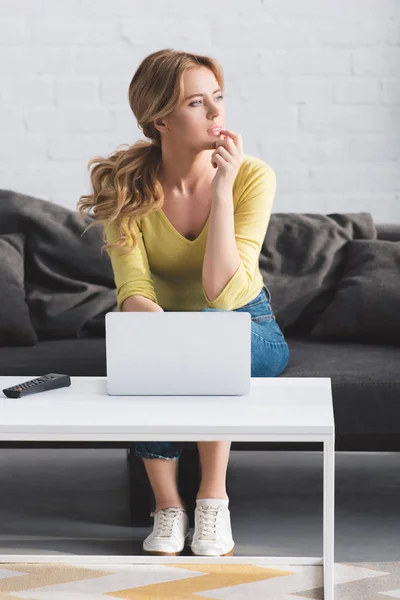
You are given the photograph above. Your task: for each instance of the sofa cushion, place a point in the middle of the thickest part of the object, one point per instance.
(69, 281)
(301, 260)
(15, 325)
(366, 304)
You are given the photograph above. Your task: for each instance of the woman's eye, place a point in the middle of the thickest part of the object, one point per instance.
(195, 102)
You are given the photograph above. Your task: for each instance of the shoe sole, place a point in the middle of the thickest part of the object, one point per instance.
(159, 553)
(230, 553)
(154, 553)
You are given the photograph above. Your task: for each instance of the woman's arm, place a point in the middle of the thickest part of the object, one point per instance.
(221, 257)
(226, 279)
(137, 303)
(131, 272)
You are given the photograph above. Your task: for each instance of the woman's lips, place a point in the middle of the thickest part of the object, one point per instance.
(215, 131)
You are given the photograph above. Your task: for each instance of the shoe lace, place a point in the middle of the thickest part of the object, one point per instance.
(209, 518)
(167, 521)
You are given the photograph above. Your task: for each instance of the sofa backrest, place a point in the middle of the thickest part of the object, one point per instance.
(388, 231)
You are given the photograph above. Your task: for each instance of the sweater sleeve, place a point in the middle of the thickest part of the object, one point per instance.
(131, 273)
(251, 222)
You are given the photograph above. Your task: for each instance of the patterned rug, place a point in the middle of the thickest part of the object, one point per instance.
(74, 581)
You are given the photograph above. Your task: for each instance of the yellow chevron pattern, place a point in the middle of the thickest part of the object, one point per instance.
(216, 577)
(47, 581)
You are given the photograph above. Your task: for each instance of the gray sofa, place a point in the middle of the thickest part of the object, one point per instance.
(335, 286)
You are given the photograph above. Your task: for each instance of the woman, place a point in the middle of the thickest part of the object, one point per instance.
(185, 217)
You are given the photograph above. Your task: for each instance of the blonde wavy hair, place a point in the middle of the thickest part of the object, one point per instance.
(125, 184)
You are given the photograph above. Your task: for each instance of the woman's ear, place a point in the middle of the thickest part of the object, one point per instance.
(160, 125)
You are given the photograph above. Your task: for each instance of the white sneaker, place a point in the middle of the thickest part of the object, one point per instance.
(170, 531)
(212, 529)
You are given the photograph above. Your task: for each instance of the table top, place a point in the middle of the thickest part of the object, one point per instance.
(84, 410)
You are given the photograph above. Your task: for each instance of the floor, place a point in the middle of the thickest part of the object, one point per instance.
(76, 501)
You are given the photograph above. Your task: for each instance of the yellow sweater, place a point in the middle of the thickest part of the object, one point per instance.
(167, 268)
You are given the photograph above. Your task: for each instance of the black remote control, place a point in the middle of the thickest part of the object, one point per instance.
(51, 381)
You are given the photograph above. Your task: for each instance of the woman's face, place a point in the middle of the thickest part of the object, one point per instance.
(189, 122)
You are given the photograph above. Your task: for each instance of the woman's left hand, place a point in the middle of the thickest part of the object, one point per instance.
(226, 158)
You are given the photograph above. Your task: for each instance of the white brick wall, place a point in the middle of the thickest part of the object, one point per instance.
(313, 86)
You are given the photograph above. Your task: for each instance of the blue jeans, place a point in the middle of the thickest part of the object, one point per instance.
(269, 358)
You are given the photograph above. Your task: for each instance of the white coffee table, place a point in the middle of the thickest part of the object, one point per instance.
(277, 409)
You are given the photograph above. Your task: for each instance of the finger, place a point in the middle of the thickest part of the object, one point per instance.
(220, 160)
(223, 152)
(224, 140)
(231, 134)
(231, 149)
(227, 143)
(235, 136)
(217, 160)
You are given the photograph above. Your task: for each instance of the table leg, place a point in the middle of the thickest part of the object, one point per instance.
(329, 514)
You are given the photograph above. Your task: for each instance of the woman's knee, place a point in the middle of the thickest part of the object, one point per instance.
(270, 360)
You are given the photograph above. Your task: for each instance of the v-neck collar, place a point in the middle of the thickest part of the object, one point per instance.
(176, 232)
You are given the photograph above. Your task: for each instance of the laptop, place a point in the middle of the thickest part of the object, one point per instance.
(189, 353)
